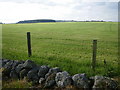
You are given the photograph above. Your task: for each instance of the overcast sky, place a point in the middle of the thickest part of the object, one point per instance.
(12, 11)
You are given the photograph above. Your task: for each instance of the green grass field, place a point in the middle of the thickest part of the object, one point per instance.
(66, 45)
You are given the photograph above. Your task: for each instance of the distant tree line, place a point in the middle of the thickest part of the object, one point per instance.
(79, 21)
(37, 21)
(65, 21)
(50, 20)
(96, 21)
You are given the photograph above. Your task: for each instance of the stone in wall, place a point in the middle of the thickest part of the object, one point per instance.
(80, 81)
(63, 79)
(104, 82)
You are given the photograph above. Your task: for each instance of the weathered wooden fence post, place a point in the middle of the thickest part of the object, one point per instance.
(94, 54)
(29, 44)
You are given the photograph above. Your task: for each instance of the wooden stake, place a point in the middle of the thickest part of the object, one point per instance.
(94, 54)
(29, 44)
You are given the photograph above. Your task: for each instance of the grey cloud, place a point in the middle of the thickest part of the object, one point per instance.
(112, 5)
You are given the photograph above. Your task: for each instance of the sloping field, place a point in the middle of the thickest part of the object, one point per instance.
(67, 45)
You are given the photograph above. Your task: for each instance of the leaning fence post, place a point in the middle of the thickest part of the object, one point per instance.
(29, 44)
(94, 54)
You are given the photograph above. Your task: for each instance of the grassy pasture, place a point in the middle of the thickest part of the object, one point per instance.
(66, 45)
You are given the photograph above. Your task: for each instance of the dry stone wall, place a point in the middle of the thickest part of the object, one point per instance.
(51, 77)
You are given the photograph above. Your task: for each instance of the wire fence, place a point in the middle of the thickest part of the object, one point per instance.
(71, 53)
